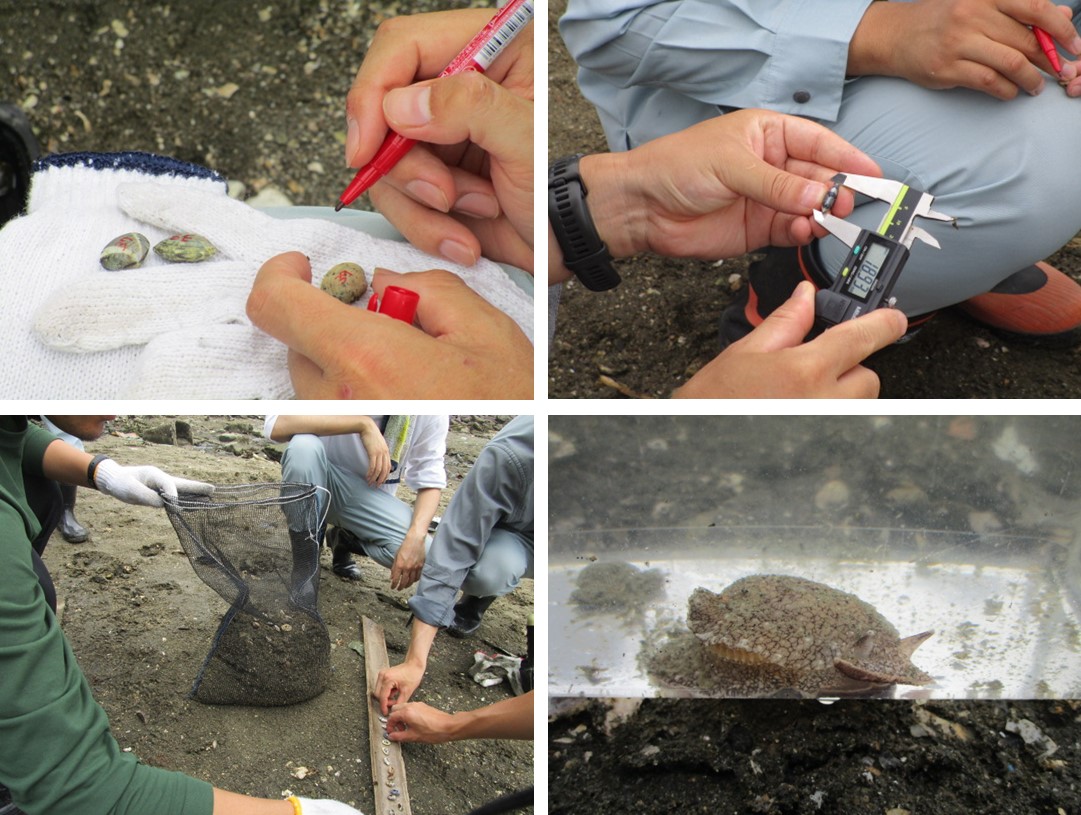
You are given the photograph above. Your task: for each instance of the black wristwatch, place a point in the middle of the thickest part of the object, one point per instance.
(584, 253)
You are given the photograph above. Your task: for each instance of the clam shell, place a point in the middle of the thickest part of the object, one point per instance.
(345, 281)
(125, 252)
(185, 248)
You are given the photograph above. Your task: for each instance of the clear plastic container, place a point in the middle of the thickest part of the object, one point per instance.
(967, 526)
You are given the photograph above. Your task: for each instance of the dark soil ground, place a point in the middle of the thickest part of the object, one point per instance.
(141, 623)
(783, 756)
(255, 90)
(660, 326)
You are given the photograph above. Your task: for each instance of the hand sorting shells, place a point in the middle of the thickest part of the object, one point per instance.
(343, 281)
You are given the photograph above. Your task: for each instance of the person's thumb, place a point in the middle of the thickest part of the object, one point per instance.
(852, 341)
(777, 189)
(463, 107)
(788, 324)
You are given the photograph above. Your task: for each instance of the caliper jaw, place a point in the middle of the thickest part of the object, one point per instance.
(887, 190)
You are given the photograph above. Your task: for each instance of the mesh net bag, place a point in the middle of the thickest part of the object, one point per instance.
(256, 545)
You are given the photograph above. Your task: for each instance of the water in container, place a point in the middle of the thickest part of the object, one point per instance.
(780, 556)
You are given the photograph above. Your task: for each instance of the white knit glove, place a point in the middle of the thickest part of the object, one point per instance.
(143, 484)
(72, 214)
(167, 330)
(189, 312)
(323, 807)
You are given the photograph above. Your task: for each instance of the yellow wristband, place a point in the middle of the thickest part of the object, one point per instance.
(292, 799)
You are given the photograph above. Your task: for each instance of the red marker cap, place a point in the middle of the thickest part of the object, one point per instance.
(399, 303)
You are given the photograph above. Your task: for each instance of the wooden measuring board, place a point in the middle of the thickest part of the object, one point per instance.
(388, 765)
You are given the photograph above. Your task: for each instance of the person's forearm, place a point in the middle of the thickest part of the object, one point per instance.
(506, 719)
(871, 44)
(231, 803)
(424, 509)
(288, 426)
(420, 643)
(66, 464)
(557, 272)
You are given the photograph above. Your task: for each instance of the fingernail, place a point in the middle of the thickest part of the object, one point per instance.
(478, 204)
(813, 196)
(408, 106)
(352, 140)
(457, 252)
(1075, 46)
(1039, 88)
(428, 193)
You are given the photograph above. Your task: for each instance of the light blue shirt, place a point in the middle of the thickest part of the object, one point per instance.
(653, 68)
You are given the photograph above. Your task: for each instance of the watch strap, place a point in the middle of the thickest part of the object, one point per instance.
(92, 469)
(584, 253)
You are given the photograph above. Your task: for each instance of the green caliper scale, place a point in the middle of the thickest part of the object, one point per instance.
(875, 259)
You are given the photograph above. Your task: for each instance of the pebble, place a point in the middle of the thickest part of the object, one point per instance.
(346, 282)
(126, 252)
(906, 495)
(269, 197)
(833, 495)
(186, 248)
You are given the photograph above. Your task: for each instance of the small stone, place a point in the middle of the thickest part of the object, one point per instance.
(984, 522)
(345, 281)
(833, 495)
(186, 248)
(126, 252)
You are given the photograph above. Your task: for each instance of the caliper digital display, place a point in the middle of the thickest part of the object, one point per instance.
(865, 281)
(875, 260)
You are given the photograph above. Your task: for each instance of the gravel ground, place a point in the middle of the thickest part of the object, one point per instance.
(141, 622)
(652, 333)
(253, 89)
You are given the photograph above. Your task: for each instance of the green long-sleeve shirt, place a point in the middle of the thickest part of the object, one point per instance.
(57, 755)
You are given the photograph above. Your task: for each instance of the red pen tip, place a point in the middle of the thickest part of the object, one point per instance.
(338, 206)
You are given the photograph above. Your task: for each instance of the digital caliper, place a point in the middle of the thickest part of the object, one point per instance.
(875, 259)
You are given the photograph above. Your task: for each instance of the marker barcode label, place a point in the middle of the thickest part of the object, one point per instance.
(503, 35)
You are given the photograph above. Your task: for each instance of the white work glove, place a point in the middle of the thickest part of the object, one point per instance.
(72, 214)
(192, 315)
(73, 330)
(144, 484)
(323, 807)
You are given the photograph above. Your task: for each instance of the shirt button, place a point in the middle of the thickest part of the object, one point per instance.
(802, 96)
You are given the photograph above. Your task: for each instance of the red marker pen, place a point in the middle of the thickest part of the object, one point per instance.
(1048, 46)
(478, 55)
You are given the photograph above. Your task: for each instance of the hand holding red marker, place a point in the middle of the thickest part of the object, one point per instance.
(478, 55)
(1048, 46)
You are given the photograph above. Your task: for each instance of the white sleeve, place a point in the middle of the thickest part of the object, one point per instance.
(424, 464)
(268, 426)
